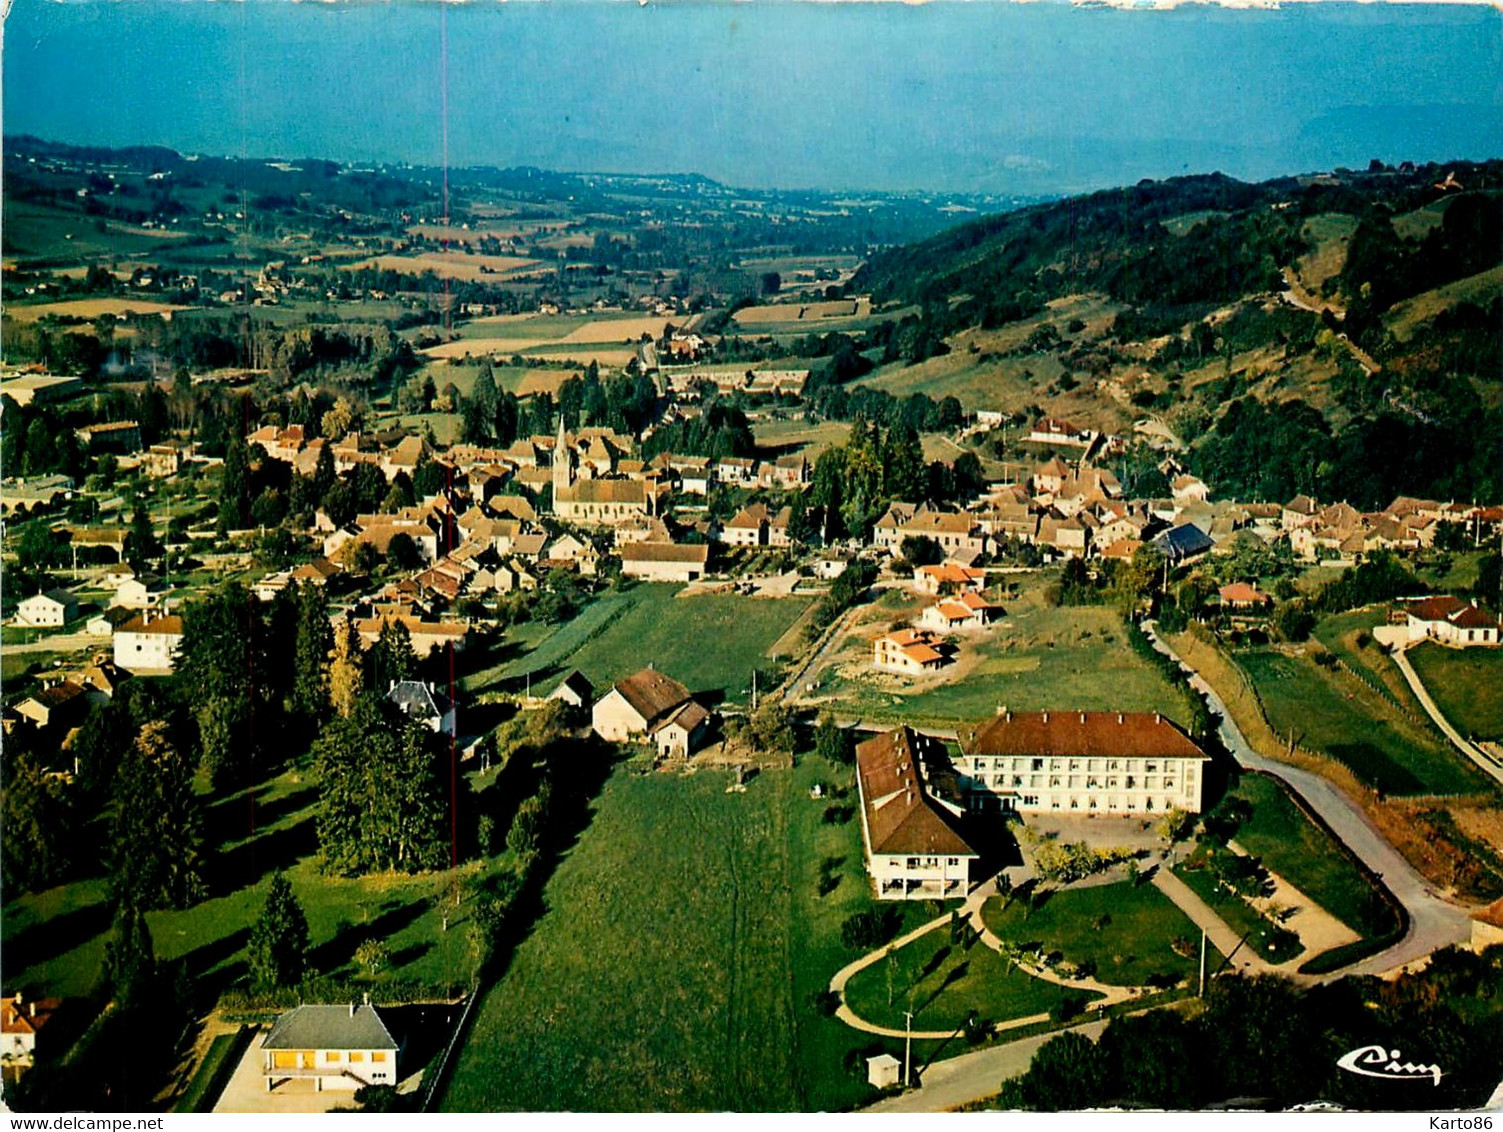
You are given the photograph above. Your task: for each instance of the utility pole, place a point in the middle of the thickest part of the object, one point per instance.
(907, 1046)
(1202, 962)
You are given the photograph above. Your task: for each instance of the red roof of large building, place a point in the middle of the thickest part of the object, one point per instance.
(900, 816)
(1080, 733)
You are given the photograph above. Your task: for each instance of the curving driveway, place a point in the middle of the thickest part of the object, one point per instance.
(1433, 921)
(1485, 762)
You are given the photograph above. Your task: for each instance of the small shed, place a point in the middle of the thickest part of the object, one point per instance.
(883, 1071)
(574, 690)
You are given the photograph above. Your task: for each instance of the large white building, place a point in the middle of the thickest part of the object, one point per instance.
(914, 850)
(1103, 762)
(51, 609)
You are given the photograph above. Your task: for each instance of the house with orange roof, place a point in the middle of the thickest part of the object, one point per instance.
(909, 652)
(21, 1020)
(964, 612)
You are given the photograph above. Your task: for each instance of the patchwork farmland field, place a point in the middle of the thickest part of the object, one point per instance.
(91, 308)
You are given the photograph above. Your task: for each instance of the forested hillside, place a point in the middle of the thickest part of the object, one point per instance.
(1339, 334)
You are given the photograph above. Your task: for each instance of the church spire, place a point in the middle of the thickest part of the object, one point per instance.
(563, 460)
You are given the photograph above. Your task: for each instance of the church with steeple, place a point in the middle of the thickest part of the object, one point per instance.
(595, 499)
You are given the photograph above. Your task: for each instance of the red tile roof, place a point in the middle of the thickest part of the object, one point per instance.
(651, 694)
(1080, 733)
(900, 816)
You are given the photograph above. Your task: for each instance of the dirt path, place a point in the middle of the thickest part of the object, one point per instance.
(1317, 929)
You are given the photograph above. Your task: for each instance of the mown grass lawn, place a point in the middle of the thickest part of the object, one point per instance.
(1126, 931)
(1466, 684)
(1036, 658)
(55, 940)
(678, 962)
(1354, 725)
(944, 984)
(709, 642)
(1292, 845)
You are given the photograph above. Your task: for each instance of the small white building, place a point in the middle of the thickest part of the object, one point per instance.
(1450, 621)
(334, 1047)
(883, 1071)
(51, 609)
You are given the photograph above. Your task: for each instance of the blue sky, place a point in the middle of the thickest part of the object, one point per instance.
(980, 96)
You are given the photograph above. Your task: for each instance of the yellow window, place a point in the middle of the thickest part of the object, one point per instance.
(332, 1056)
(357, 1057)
(378, 1056)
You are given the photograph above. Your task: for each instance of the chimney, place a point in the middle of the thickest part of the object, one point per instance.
(352, 1010)
(1157, 718)
(1082, 717)
(1046, 717)
(1119, 717)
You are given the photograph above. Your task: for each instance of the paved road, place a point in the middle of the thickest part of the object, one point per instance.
(1433, 922)
(1483, 760)
(61, 642)
(973, 1076)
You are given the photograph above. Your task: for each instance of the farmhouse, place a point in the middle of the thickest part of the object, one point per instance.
(425, 635)
(336, 1047)
(59, 704)
(914, 850)
(1184, 543)
(653, 706)
(911, 652)
(418, 700)
(1241, 597)
(1450, 621)
(148, 642)
(664, 561)
(1052, 430)
(21, 1020)
(969, 610)
(116, 436)
(1095, 762)
(748, 527)
(51, 609)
